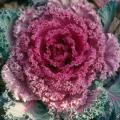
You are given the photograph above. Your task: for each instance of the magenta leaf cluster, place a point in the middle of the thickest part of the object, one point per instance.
(57, 52)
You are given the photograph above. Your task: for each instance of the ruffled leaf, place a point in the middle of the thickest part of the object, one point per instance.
(108, 113)
(96, 109)
(107, 14)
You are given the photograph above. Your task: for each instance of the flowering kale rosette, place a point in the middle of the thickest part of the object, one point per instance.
(57, 51)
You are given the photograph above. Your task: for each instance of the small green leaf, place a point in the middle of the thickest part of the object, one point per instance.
(107, 14)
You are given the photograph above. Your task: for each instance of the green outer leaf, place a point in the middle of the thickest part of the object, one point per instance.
(7, 17)
(107, 14)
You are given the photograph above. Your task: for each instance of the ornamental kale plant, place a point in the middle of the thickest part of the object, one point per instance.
(60, 60)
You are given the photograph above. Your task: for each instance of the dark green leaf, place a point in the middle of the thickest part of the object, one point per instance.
(119, 39)
(32, 2)
(39, 2)
(39, 111)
